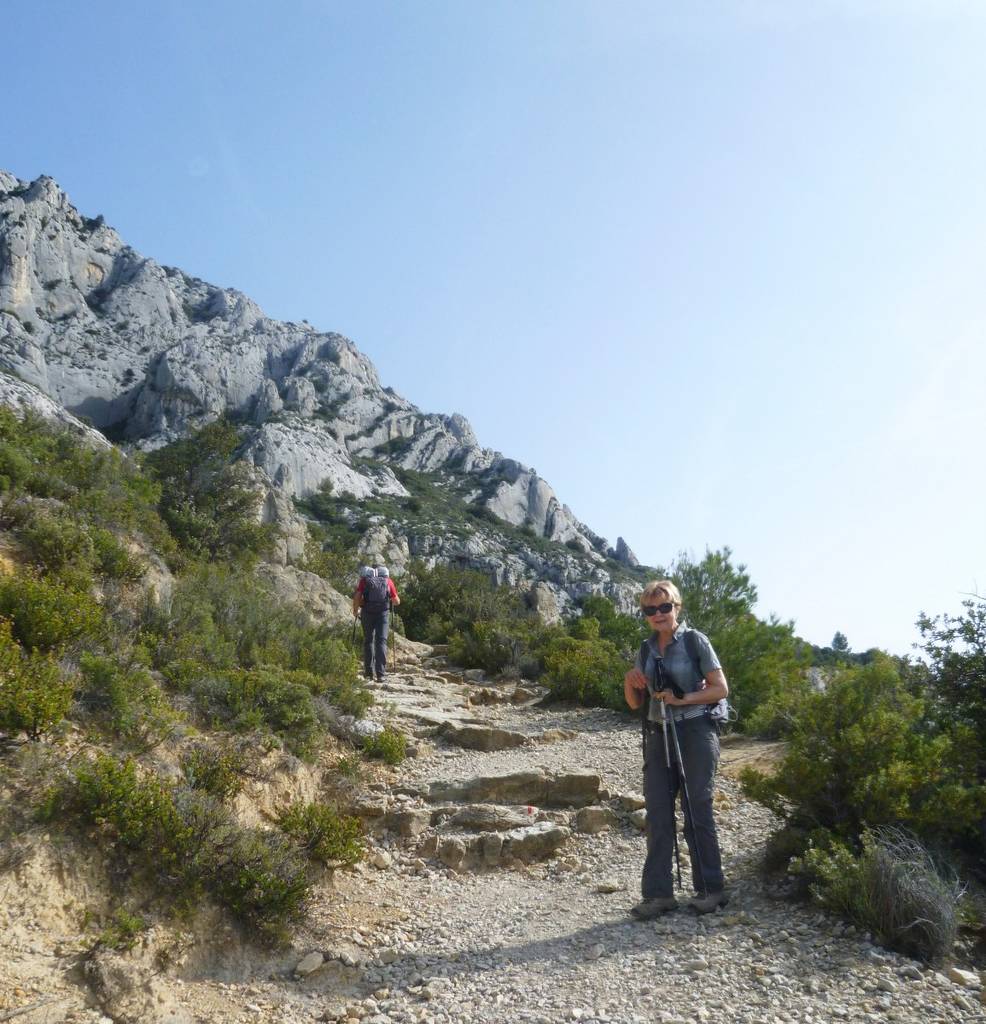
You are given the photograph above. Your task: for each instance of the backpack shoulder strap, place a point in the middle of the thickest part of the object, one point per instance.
(694, 654)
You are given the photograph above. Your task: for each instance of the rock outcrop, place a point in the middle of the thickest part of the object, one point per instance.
(147, 353)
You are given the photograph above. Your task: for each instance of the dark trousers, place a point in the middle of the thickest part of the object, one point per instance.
(375, 625)
(700, 754)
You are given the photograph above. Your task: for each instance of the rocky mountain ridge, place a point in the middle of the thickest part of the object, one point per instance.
(147, 353)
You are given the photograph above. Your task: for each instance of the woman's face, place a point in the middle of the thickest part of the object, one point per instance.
(665, 616)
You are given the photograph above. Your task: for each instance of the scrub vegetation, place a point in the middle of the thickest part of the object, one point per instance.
(218, 672)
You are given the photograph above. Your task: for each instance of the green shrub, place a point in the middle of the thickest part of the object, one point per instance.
(123, 931)
(586, 671)
(47, 614)
(760, 658)
(261, 879)
(491, 646)
(135, 810)
(627, 632)
(324, 833)
(389, 745)
(861, 754)
(334, 558)
(55, 542)
(222, 619)
(894, 889)
(440, 601)
(266, 698)
(103, 485)
(126, 699)
(113, 560)
(188, 843)
(207, 499)
(350, 766)
(956, 652)
(219, 773)
(34, 697)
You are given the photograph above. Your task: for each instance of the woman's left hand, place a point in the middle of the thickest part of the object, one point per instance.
(672, 701)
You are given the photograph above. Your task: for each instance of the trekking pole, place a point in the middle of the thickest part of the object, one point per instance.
(667, 768)
(690, 818)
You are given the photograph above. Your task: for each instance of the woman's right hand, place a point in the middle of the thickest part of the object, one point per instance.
(634, 687)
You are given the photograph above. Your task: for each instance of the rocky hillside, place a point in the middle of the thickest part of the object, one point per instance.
(147, 353)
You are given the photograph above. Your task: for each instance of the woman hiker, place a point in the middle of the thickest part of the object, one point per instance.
(670, 656)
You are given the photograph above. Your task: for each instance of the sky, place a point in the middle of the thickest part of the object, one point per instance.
(715, 269)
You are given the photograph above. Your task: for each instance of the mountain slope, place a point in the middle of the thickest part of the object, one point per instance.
(147, 353)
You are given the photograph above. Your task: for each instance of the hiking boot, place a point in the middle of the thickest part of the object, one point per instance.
(707, 902)
(647, 909)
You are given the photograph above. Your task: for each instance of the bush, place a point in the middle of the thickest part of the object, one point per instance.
(101, 485)
(209, 501)
(219, 773)
(627, 632)
(266, 698)
(350, 767)
(258, 877)
(123, 932)
(55, 542)
(893, 889)
(861, 754)
(389, 746)
(440, 601)
(136, 811)
(332, 558)
(224, 619)
(491, 646)
(113, 560)
(34, 697)
(47, 614)
(324, 833)
(188, 843)
(587, 671)
(126, 699)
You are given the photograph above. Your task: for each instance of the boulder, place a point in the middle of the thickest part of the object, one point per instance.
(538, 787)
(489, 818)
(491, 849)
(319, 599)
(409, 822)
(591, 820)
(483, 737)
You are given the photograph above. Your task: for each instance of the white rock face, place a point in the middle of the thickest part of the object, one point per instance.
(150, 353)
(24, 398)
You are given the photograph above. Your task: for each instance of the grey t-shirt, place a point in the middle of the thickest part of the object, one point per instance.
(679, 666)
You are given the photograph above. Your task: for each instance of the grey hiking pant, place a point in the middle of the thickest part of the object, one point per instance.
(375, 625)
(700, 753)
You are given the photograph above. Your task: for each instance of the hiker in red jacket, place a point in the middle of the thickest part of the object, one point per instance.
(375, 596)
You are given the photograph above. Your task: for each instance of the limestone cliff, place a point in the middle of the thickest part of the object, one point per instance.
(146, 353)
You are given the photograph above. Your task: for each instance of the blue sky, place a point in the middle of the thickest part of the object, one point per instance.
(713, 269)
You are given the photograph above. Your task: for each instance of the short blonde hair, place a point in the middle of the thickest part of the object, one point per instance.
(665, 587)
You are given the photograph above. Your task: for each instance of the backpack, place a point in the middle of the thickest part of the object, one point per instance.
(721, 713)
(376, 594)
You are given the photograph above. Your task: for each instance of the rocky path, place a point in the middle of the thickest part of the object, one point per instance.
(497, 889)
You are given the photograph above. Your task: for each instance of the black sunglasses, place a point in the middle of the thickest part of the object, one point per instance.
(653, 609)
